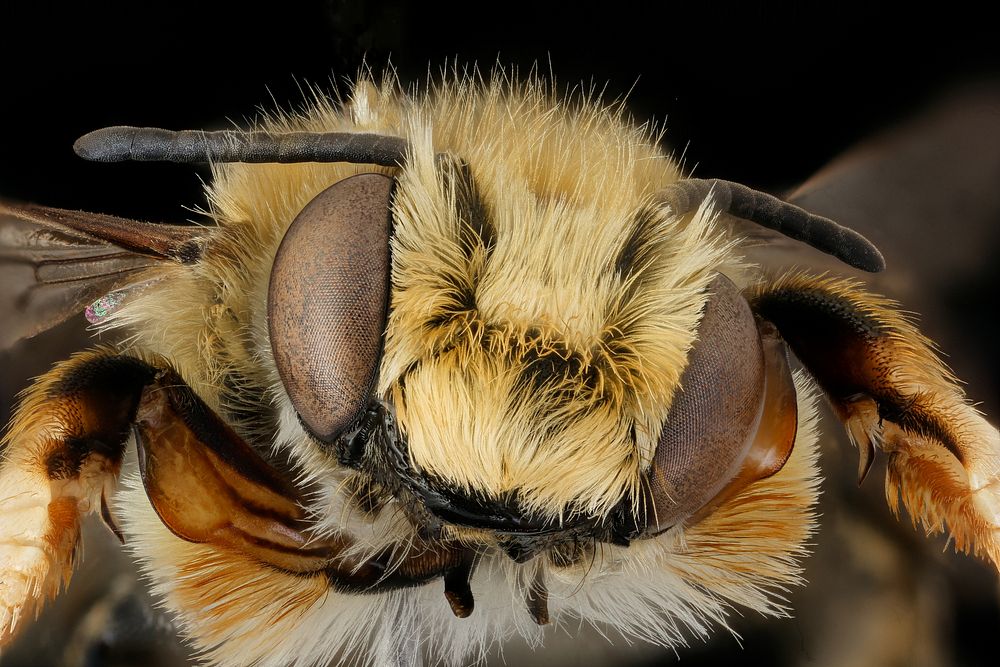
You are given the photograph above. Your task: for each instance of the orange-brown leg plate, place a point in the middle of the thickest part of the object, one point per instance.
(63, 453)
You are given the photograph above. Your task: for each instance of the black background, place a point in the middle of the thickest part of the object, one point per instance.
(762, 93)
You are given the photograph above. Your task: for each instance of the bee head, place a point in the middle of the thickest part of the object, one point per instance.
(599, 378)
(532, 326)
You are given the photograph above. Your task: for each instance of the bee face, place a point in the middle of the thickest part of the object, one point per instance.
(528, 378)
(503, 346)
(504, 354)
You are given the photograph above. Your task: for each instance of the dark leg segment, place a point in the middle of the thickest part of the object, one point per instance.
(890, 389)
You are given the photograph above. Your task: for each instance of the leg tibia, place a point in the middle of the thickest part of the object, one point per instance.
(60, 456)
(891, 390)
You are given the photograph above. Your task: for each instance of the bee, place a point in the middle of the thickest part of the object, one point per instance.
(450, 366)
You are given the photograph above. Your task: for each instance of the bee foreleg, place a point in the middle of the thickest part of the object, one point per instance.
(891, 390)
(208, 486)
(61, 456)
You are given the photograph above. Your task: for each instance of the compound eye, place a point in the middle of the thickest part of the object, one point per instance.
(327, 302)
(715, 414)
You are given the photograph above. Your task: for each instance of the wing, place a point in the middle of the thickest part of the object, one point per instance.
(925, 193)
(53, 262)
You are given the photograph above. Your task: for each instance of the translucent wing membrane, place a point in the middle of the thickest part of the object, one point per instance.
(53, 263)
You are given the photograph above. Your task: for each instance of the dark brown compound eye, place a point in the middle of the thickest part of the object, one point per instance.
(328, 300)
(733, 419)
